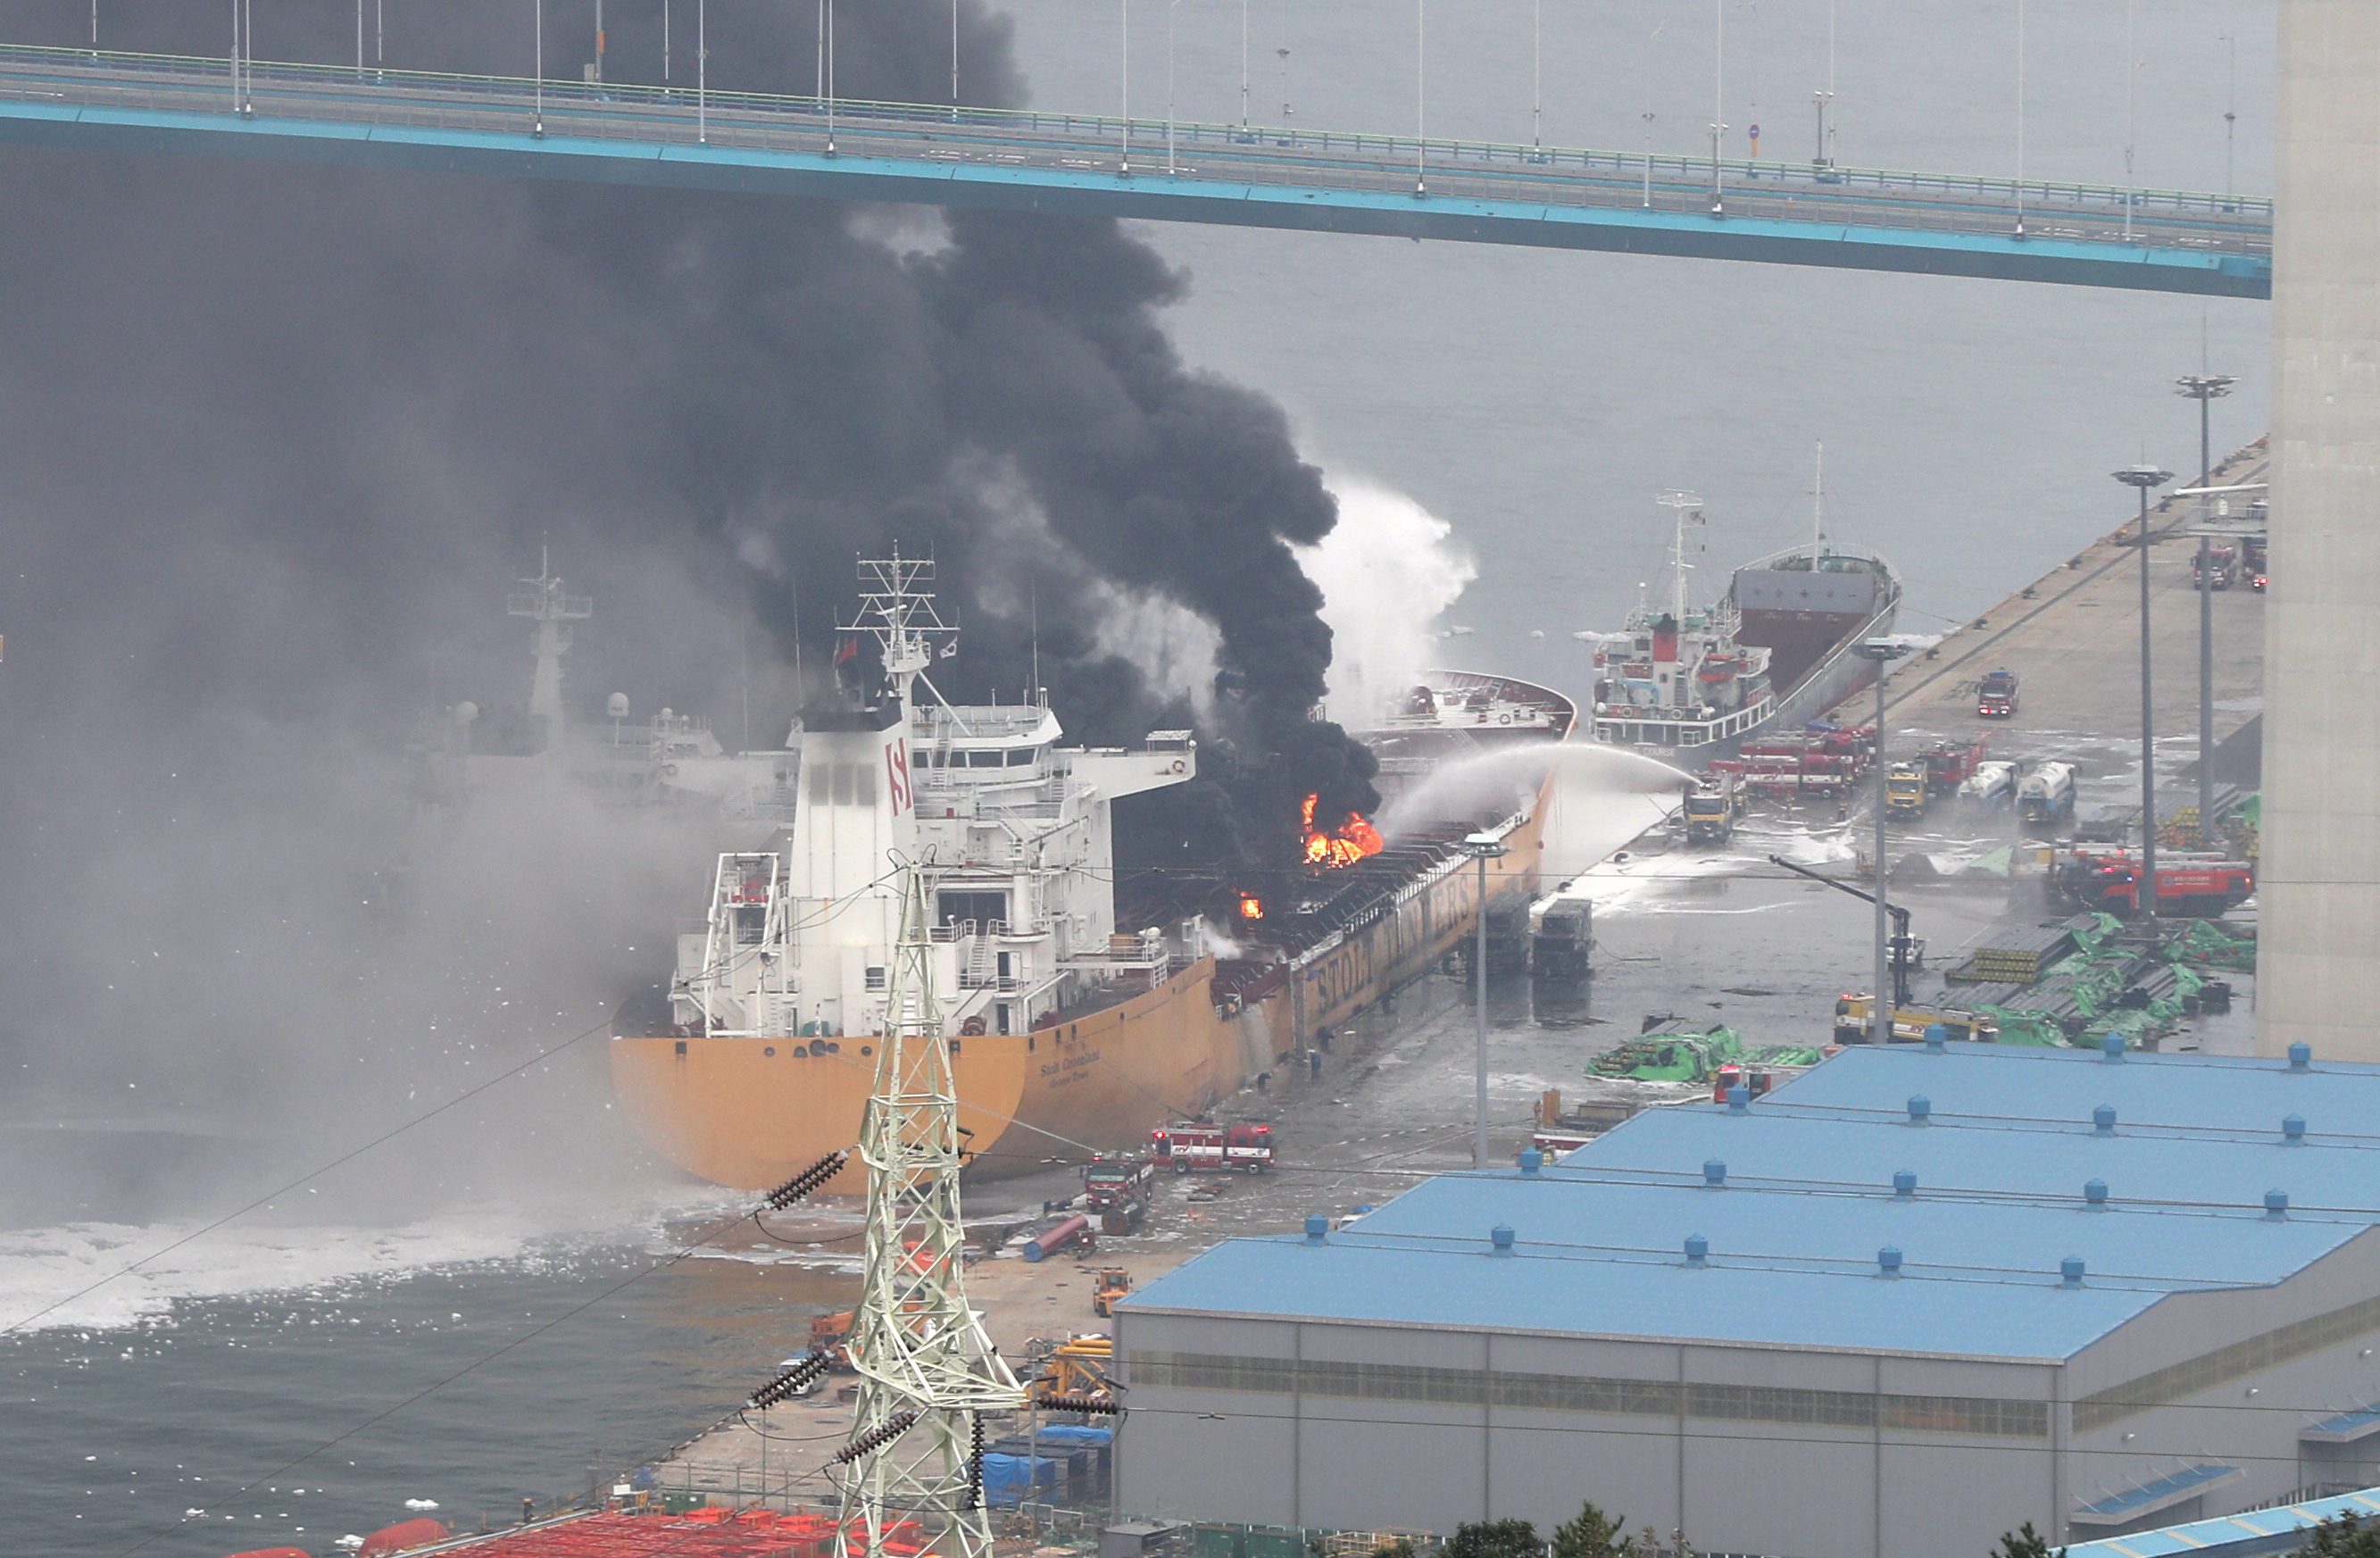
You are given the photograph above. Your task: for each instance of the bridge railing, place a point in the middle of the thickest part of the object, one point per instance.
(1183, 152)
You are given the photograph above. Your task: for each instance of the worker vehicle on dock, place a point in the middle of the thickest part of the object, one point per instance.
(1561, 1130)
(1116, 1190)
(1112, 1283)
(1992, 784)
(1201, 1144)
(1711, 809)
(1856, 1014)
(1949, 764)
(830, 1335)
(2222, 568)
(1996, 696)
(1905, 792)
(1755, 1081)
(2045, 797)
(2107, 880)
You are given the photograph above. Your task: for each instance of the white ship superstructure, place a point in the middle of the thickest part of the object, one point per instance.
(1678, 677)
(1010, 828)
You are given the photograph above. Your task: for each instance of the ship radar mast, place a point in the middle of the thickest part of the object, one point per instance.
(900, 616)
(546, 603)
(1818, 510)
(1684, 510)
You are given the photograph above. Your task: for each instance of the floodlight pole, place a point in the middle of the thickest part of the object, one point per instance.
(1881, 652)
(2205, 389)
(2141, 478)
(1484, 846)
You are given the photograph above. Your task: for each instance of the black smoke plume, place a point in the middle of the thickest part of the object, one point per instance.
(276, 436)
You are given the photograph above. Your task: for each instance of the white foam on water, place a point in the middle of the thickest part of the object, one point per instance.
(45, 1272)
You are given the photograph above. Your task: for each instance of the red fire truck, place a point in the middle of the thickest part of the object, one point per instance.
(1947, 764)
(1202, 1144)
(2109, 879)
(1116, 1189)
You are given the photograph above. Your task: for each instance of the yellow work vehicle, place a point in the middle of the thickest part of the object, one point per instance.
(1112, 1283)
(1856, 1014)
(1076, 1368)
(1905, 792)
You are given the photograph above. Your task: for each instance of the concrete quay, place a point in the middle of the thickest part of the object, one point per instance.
(2072, 637)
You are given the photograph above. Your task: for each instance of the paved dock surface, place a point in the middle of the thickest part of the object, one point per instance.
(2072, 637)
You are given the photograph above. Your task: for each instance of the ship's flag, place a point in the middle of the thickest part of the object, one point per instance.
(845, 649)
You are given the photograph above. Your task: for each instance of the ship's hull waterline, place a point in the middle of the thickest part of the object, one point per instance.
(748, 1113)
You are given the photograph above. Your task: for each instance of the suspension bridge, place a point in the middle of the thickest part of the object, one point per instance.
(1304, 180)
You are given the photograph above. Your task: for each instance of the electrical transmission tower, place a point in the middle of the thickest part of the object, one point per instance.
(927, 1372)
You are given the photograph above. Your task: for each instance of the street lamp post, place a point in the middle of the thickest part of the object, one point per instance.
(1484, 847)
(1881, 652)
(2141, 478)
(2204, 388)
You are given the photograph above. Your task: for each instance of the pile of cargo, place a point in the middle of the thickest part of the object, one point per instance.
(2101, 984)
(1059, 1457)
(2020, 957)
(1672, 1053)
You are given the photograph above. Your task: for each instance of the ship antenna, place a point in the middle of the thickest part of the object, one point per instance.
(547, 604)
(927, 1373)
(1818, 510)
(1686, 509)
(897, 611)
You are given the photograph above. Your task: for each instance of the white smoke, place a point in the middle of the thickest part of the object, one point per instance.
(1387, 571)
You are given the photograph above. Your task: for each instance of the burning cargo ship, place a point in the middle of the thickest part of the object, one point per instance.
(1065, 1031)
(1777, 652)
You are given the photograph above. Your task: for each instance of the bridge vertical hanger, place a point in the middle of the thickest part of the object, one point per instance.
(1718, 105)
(1421, 97)
(927, 1372)
(2019, 117)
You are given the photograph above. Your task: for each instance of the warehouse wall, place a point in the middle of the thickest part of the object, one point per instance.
(1779, 1451)
(2239, 1373)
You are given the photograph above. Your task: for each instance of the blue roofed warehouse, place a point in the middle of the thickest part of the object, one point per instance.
(1906, 1302)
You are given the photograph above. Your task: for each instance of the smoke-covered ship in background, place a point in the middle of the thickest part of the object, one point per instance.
(1777, 652)
(1449, 716)
(1070, 1028)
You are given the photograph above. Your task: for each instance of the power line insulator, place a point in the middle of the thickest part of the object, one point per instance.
(792, 1382)
(876, 1438)
(810, 1179)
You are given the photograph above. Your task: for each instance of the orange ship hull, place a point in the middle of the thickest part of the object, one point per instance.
(749, 1114)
